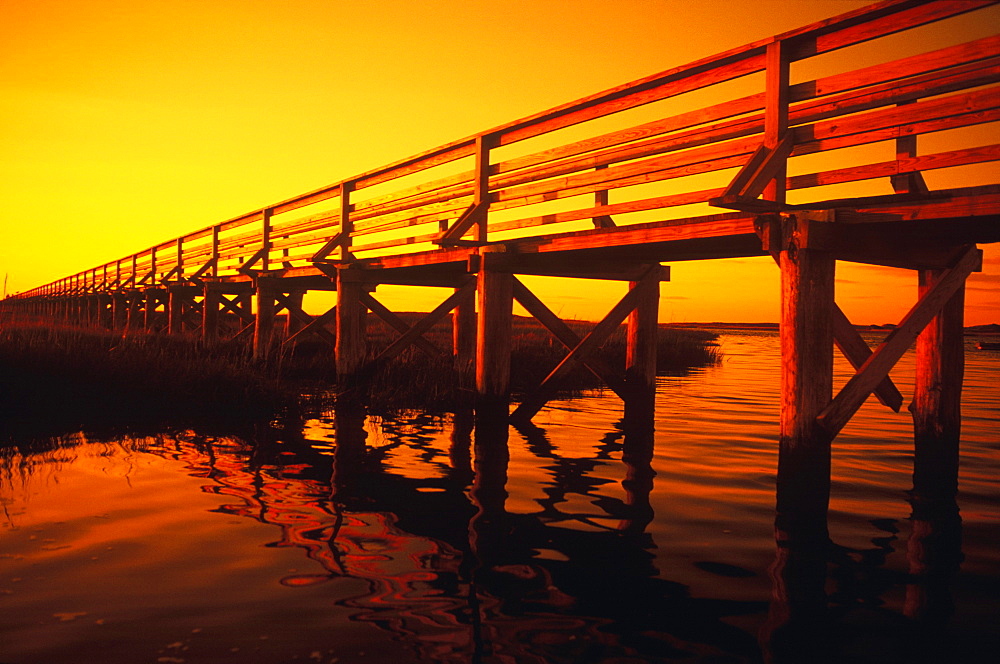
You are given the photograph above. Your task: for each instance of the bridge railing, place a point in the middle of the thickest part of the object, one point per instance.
(724, 131)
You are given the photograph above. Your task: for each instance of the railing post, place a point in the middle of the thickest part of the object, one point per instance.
(346, 225)
(776, 112)
(215, 251)
(481, 185)
(180, 259)
(265, 244)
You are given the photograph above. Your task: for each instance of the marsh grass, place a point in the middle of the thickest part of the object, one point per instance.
(67, 377)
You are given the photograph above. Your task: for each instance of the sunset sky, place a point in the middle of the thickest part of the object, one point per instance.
(126, 123)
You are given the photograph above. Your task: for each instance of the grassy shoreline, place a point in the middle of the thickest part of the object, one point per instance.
(69, 378)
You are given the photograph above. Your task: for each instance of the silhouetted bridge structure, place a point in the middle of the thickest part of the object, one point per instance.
(731, 156)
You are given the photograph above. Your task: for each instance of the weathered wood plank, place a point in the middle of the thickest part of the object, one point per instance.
(897, 167)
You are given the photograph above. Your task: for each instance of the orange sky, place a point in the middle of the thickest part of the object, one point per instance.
(128, 123)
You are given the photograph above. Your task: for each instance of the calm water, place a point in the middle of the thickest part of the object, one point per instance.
(415, 539)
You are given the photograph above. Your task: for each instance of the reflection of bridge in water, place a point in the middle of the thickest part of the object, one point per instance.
(448, 567)
(459, 577)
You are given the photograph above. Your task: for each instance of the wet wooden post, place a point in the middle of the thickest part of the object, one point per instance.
(136, 307)
(177, 304)
(350, 344)
(119, 310)
(463, 334)
(640, 357)
(212, 297)
(293, 324)
(803, 483)
(495, 299)
(153, 298)
(936, 406)
(263, 329)
(105, 306)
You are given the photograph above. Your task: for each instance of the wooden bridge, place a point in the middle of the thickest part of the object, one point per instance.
(691, 163)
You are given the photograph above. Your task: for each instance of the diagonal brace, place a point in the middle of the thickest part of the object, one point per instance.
(565, 334)
(594, 339)
(472, 215)
(839, 411)
(462, 294)
(399, 324)
(298, 314)
(317, 326)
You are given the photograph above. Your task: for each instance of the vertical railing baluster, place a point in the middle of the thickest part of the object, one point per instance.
(776, 112)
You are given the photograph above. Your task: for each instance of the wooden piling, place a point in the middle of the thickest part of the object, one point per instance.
(494, 326)
(263, 330)
(463, 333)
(211, 299)
(803, 483)
(936, 406)
(350, 344)
(136, 309)
(119, 310)
(178, 297)
(292, 323)
(640, 357)
(153, 297)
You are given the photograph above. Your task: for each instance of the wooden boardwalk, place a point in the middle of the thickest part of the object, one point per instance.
(610, 187)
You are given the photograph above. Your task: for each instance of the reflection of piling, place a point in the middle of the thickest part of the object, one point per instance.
(349, 429)
(488, 528)
(796, 629)
(934, 552)
(637, 455)
(489, 489)
(460, 451)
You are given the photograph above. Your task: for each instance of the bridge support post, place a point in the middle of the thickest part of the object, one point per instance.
(136, 310)
(293, 324)
(640, 357)
(180, 304)
(463, 334)
(803, 483)
(263, 330)
(936, 405)
(350, 343)
(119, 311)
(211, 299)
(495, 296)
(154, 298)
(105, 309)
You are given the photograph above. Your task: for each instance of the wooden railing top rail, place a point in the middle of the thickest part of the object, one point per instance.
(756, 133)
